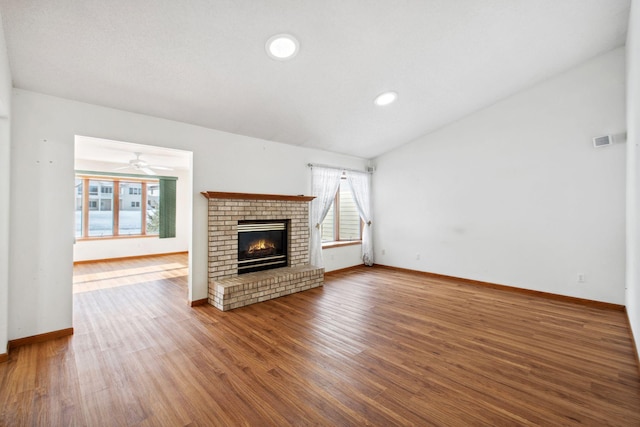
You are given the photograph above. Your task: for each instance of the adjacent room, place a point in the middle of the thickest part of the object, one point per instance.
(134, 172)
(443, 201)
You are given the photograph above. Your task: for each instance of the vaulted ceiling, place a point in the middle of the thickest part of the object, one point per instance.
(204, 62)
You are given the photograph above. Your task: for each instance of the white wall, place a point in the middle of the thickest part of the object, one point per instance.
(42, 231)
(633, 171)
(515, 194)
(5, 176)
(339, 257)
(85, 250)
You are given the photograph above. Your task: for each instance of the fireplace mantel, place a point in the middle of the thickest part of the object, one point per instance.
(253, 196)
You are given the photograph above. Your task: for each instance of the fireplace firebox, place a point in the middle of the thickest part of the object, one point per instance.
(262, 245)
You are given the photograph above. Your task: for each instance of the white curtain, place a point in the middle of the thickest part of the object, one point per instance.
(324, 185)
(360, 186)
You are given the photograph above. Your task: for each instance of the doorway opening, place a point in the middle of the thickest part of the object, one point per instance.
(133, 207)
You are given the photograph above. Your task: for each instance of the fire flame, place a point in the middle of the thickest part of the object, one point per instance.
(260, 245)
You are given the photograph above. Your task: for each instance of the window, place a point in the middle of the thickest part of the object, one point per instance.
(342, 222)
(132, 213)
(100, 217)
(79, 200)
(153, 213)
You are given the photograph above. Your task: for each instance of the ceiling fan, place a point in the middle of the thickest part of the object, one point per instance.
(140, 165)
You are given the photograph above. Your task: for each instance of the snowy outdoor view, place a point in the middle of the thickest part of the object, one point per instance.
(130, 207)
(101, 223)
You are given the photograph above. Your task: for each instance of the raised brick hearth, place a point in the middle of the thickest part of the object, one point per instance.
(227, 290)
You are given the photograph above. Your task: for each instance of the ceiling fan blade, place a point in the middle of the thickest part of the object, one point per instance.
(140, 165)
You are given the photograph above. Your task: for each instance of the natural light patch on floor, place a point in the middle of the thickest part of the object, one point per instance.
(85, 282)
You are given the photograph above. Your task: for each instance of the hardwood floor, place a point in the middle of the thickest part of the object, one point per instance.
(372, 347)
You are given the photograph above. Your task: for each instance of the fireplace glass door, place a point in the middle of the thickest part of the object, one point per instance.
(262, 245)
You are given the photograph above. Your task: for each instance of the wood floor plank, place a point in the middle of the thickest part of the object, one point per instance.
(374, 346)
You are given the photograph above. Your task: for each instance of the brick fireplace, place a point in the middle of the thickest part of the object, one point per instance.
(227, 289)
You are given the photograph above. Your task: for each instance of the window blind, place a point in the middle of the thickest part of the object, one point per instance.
(167, 208)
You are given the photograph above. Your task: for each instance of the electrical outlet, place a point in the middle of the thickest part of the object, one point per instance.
(417, 257)
(581, 278)
(383, 252)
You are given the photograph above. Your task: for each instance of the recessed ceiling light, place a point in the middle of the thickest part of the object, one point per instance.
(385, 98)
(282, 47)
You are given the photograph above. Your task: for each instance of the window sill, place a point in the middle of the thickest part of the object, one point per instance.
(133, 236)
(329, 245)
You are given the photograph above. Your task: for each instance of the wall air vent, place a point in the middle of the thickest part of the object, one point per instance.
(602, 141)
